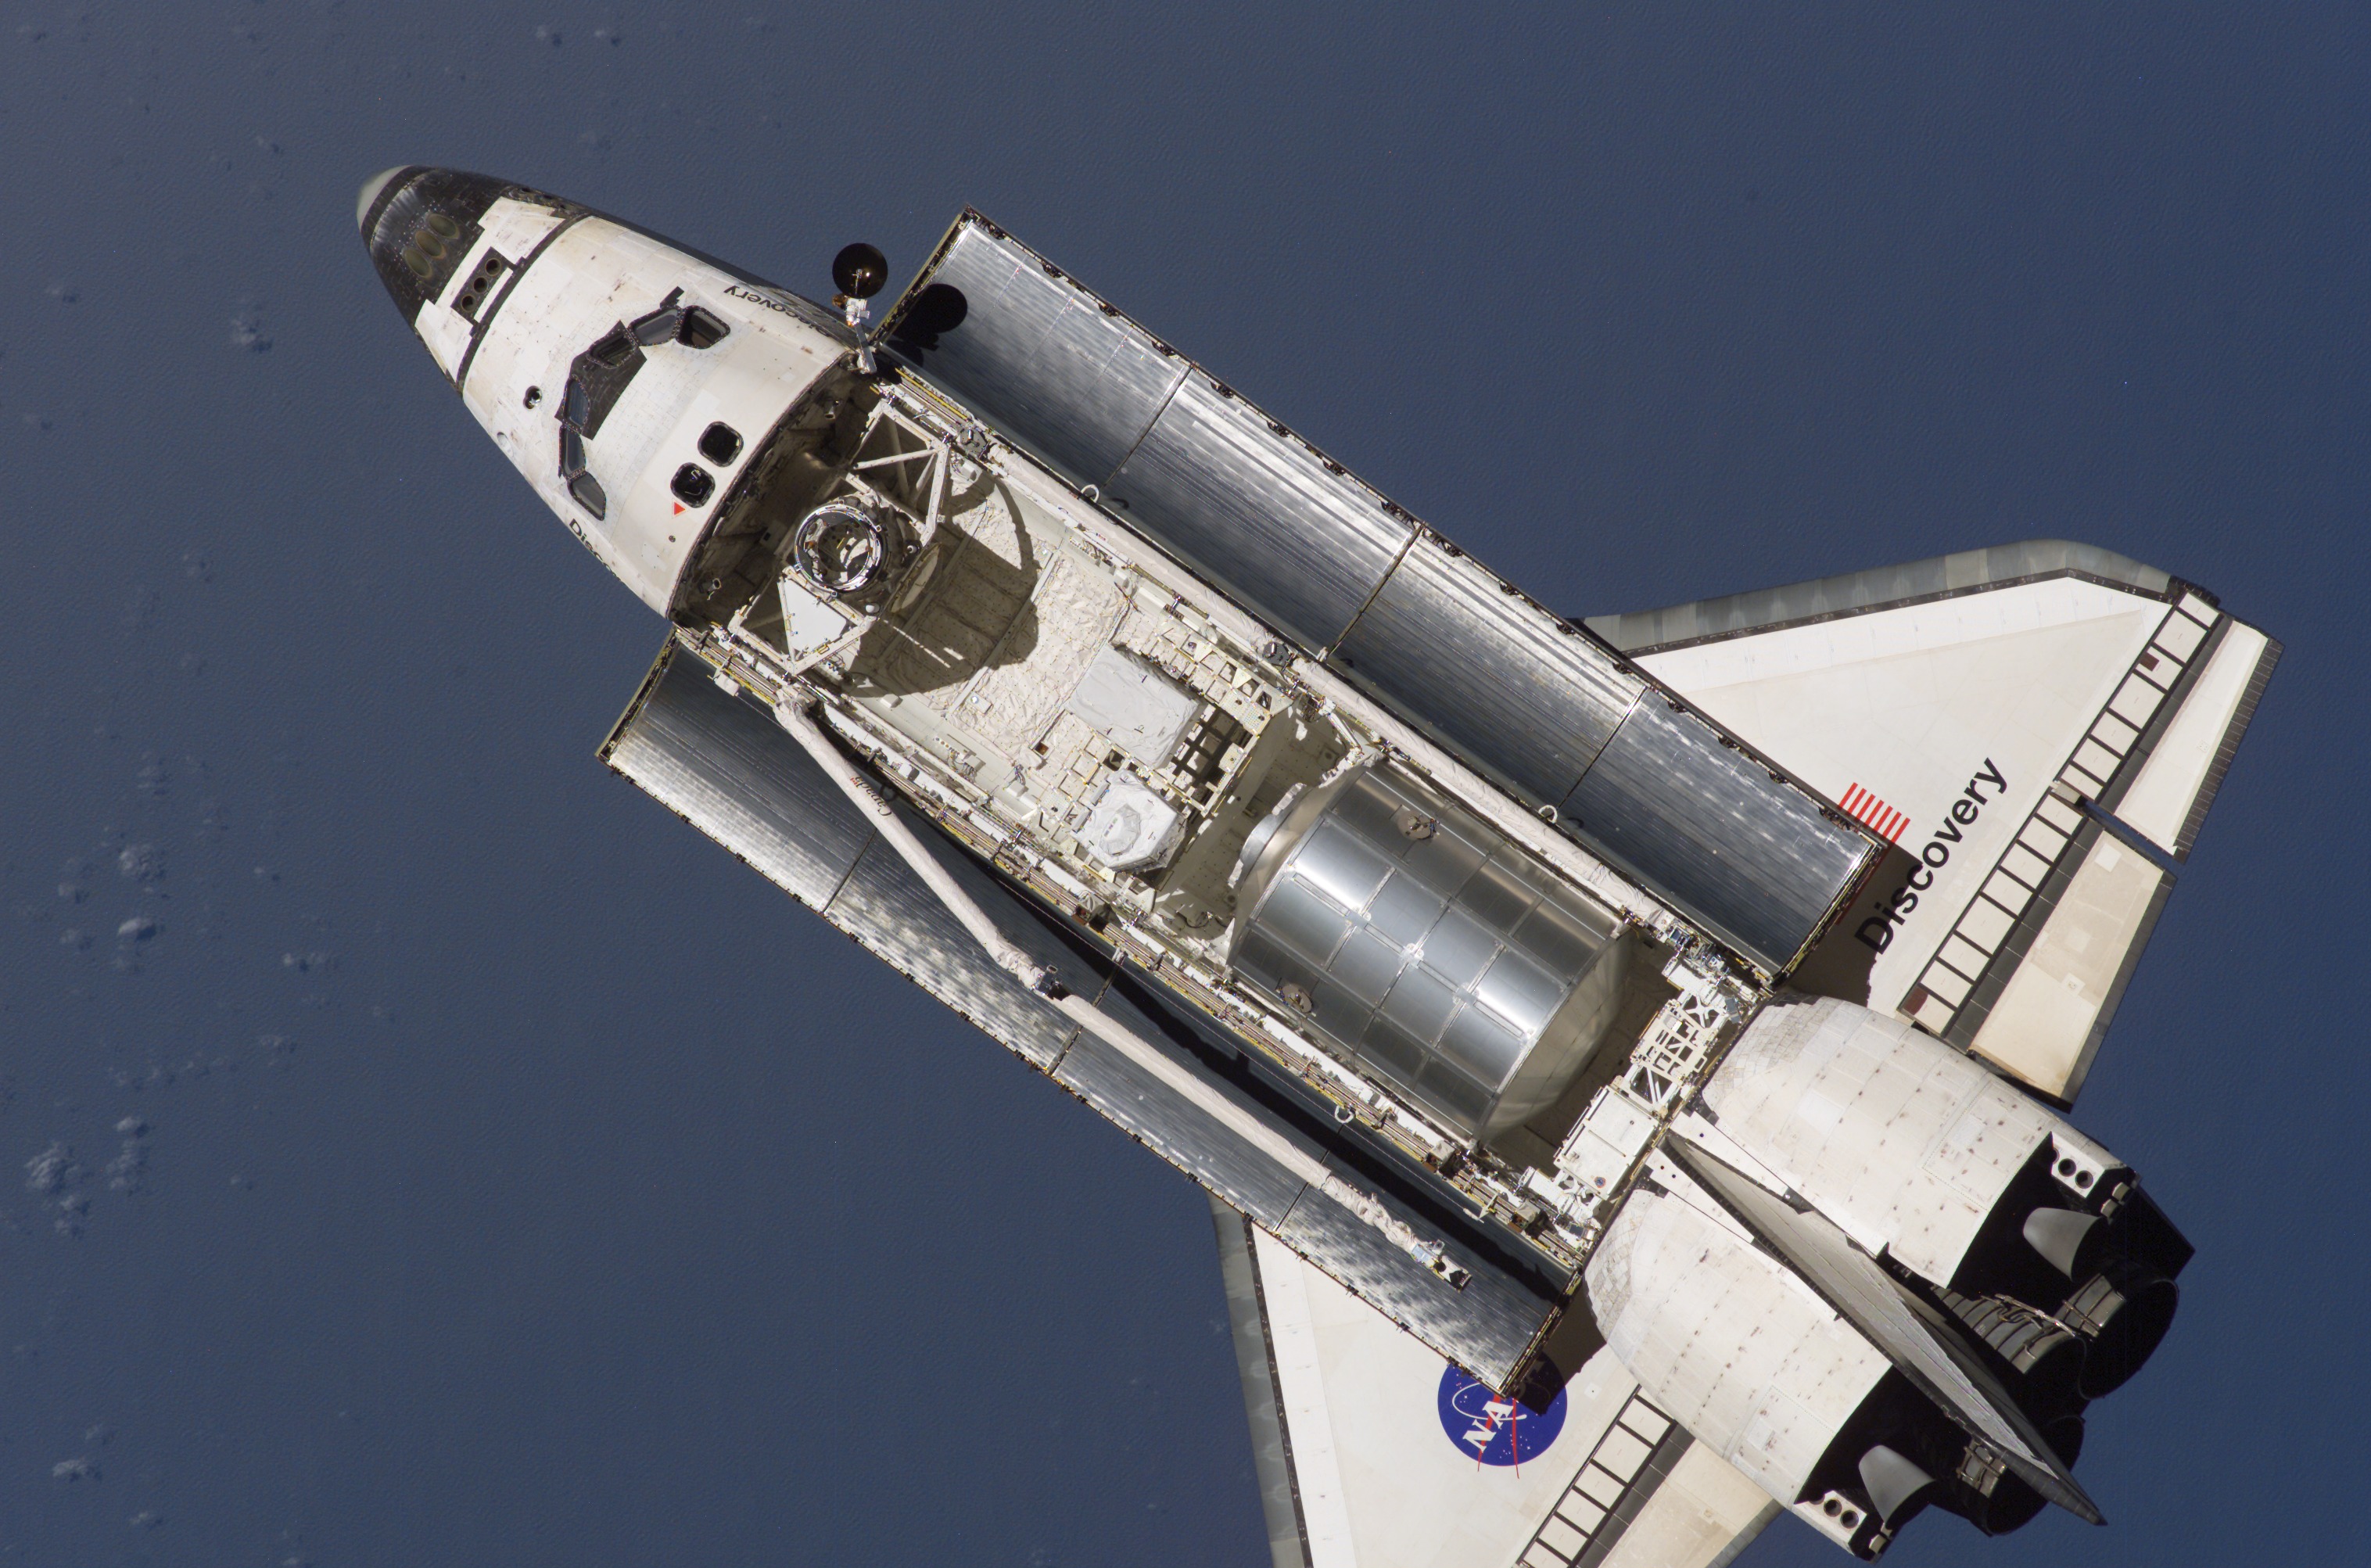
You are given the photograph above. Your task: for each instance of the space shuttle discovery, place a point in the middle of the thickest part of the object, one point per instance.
(1629, 1059)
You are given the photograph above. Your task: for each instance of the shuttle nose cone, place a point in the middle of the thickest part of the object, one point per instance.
(371, 187)
(419, 223)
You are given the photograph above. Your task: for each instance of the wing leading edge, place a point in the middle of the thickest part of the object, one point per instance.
(2037, 730)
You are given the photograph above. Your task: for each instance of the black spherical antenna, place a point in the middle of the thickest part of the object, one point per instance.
(858, 271)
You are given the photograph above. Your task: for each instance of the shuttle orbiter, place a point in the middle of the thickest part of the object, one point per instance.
(1627, 1058)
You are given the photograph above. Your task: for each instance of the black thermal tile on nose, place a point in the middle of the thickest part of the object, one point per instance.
(424, 224)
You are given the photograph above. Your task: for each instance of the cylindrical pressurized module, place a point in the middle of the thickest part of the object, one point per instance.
(1420, 943)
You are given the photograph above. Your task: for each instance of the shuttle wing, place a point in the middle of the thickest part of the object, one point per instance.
(2036, 729)
(1376, 1453)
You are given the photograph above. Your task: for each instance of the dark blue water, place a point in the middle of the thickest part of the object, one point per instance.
(432, 1151)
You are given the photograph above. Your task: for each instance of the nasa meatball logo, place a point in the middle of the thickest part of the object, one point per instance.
(1491, 1428)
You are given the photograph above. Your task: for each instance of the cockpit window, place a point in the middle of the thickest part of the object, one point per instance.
(658, 326)
(589, 495)
(675, 323)
(581, 484)
(613, 351)
(599, 377)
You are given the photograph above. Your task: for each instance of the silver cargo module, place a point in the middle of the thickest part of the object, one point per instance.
(1424, 946)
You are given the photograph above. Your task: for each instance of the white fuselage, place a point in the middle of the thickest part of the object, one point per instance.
(922, 601)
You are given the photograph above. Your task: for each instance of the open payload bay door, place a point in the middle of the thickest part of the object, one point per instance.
(1372, 1452)
(2037, 730)
(1525, 698)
